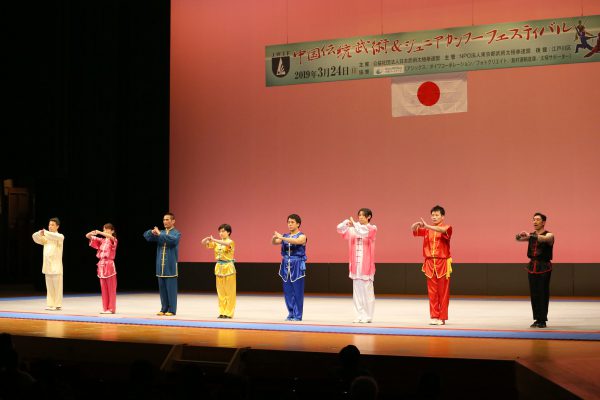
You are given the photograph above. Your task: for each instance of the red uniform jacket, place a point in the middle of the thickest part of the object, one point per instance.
(436, 250)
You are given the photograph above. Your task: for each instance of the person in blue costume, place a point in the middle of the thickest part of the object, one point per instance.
(293, 266)
(582, 35)
(167, 252)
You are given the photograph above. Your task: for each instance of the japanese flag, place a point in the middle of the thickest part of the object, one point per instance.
(429, 94)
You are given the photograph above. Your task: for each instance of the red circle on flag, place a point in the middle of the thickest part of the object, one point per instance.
(428, 93)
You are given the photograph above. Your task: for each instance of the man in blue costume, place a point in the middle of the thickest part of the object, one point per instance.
(293, 266)
(167, 252)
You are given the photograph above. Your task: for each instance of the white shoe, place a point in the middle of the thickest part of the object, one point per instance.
(434, 321)
(50, 308)
(356, 321)
(106, 312)
(365, 321)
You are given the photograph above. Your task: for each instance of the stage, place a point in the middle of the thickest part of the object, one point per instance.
(567, 352)
(408, 316)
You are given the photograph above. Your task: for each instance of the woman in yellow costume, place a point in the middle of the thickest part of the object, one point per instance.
(224, 269)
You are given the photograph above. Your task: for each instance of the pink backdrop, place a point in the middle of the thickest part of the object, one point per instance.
(249, 155)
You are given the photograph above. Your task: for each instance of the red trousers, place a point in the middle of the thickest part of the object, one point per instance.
(439, 297)
(108, 286)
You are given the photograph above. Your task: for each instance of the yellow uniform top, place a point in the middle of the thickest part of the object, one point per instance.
(224, 255)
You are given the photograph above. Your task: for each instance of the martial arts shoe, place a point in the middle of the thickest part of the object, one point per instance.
(50, 308)
(221, 316)
(356, 321)
(106, 312)
(160, 313)
(58, 308)
(538, 324)
(434, 321)
(169, 314)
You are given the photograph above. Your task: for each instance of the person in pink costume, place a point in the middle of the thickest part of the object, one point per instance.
(105, 242)
(361, 244)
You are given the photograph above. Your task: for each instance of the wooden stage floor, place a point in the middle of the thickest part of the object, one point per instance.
(574, 364)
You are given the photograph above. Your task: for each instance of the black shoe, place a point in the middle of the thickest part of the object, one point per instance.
(541, 324)
(221, 316)
(536, 324)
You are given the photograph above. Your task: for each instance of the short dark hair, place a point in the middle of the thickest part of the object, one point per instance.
(227, 228)
(364, 387)
(170, 214)
(349, 355)
(296, 218)
(367, 212)
(439, 208)
(55, 219)
(542, 216)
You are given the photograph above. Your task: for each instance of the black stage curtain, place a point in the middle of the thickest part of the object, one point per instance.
(86, 133)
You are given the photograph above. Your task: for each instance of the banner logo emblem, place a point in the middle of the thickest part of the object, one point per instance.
(280, 66)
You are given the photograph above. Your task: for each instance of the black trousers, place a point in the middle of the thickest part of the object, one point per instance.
(539, 289)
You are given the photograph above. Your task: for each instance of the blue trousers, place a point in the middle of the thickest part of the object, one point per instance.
(294, 298)
(167, 288)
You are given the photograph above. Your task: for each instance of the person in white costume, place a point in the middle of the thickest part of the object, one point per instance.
(52, 266)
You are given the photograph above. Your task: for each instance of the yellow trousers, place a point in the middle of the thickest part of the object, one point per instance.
(226, 291)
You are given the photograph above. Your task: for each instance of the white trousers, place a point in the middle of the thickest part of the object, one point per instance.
(363, 295)
(54, 290)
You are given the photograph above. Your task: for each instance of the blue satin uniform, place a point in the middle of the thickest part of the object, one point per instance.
(292, 271)
(167, 253)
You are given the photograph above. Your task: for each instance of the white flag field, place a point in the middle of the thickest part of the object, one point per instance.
(429, 94)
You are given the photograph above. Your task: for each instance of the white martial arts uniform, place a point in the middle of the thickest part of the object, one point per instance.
(52, 266)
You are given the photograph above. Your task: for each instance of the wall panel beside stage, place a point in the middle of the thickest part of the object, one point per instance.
(400, 279)
(248, 155)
